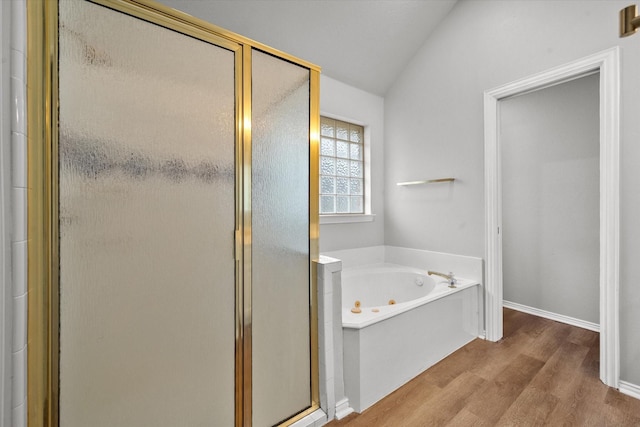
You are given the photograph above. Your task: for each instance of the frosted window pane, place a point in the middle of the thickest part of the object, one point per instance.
(356, 133)
(327, 147)
(327, 204)
(356, 151)
(342, 204)
(348, 155)
(327, 127)
(355, 186)
(356, 169)
(342, 167)
(327, 166)
(327, 185)
(147, 287)
(356, 205)
(342, 149)
(280, 273)
(342, 130)
(342, 185)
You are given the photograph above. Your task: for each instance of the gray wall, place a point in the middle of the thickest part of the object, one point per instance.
(345, 102)
(434, 126)
(550, 146)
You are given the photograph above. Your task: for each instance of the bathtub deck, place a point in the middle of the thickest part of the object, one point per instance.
(542, 373)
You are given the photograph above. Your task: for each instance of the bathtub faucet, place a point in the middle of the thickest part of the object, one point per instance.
(452, 280)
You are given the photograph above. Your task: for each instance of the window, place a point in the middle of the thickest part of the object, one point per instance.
(341, 167)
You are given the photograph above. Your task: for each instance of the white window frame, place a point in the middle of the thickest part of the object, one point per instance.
(367, 216)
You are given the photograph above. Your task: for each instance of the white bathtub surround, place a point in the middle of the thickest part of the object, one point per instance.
(471, 268)
(361, 256)
(372, 314)
(463, 266)
(386, 346)
(333, 400)
(386, 355)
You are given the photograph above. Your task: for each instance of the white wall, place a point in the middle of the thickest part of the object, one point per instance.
(434, 126)
(342, 101)
(550, 146)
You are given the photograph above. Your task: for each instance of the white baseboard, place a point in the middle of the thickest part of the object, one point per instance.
(343, 409)
(552, 316)
(629, 389)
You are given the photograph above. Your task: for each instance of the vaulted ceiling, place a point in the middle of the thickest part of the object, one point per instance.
(364, 43)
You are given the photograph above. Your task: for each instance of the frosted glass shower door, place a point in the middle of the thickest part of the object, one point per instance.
(147, 217)
(281, 340)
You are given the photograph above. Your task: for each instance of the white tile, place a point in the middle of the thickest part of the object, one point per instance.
(328, 261)
(19, 213)
(18, 160)
(19, 416)
(322, 370)
(19, 377)
(320, 276)
(326, 282)
(329, 365)
(328, 287)
(328, 324)
(19, 267)
(18, 111)
(324, 422)
(18, 25)
(329, 350)
(312, 419)
(336, 308)
(328, 309)
(321, 338)
(18, 64)
(323, 399)
(19, 322)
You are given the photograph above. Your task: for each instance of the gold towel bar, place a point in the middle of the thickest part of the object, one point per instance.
(429, 181)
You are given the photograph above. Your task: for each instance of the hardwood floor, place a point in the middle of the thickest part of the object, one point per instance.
(543, 373)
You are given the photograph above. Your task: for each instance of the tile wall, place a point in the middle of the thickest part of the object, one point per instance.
(18, 209)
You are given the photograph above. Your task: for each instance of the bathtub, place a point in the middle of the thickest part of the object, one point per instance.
(408, 321)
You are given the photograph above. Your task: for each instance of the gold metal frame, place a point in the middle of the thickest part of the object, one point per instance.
(246, 328)
(42, 210)
(314, 224)
(42, 354)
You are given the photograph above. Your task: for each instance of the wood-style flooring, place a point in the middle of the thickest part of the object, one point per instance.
(542, 373)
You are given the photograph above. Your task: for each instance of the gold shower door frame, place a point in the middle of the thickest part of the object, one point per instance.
(42, 202)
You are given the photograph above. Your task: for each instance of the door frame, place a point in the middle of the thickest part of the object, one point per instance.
(607, 64)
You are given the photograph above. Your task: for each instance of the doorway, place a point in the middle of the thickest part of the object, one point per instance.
(606, 64)
(550, 201)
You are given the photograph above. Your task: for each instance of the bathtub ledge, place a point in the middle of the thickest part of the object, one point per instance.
(367, 317)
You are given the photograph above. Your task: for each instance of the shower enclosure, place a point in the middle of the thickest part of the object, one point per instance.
(172, 218)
